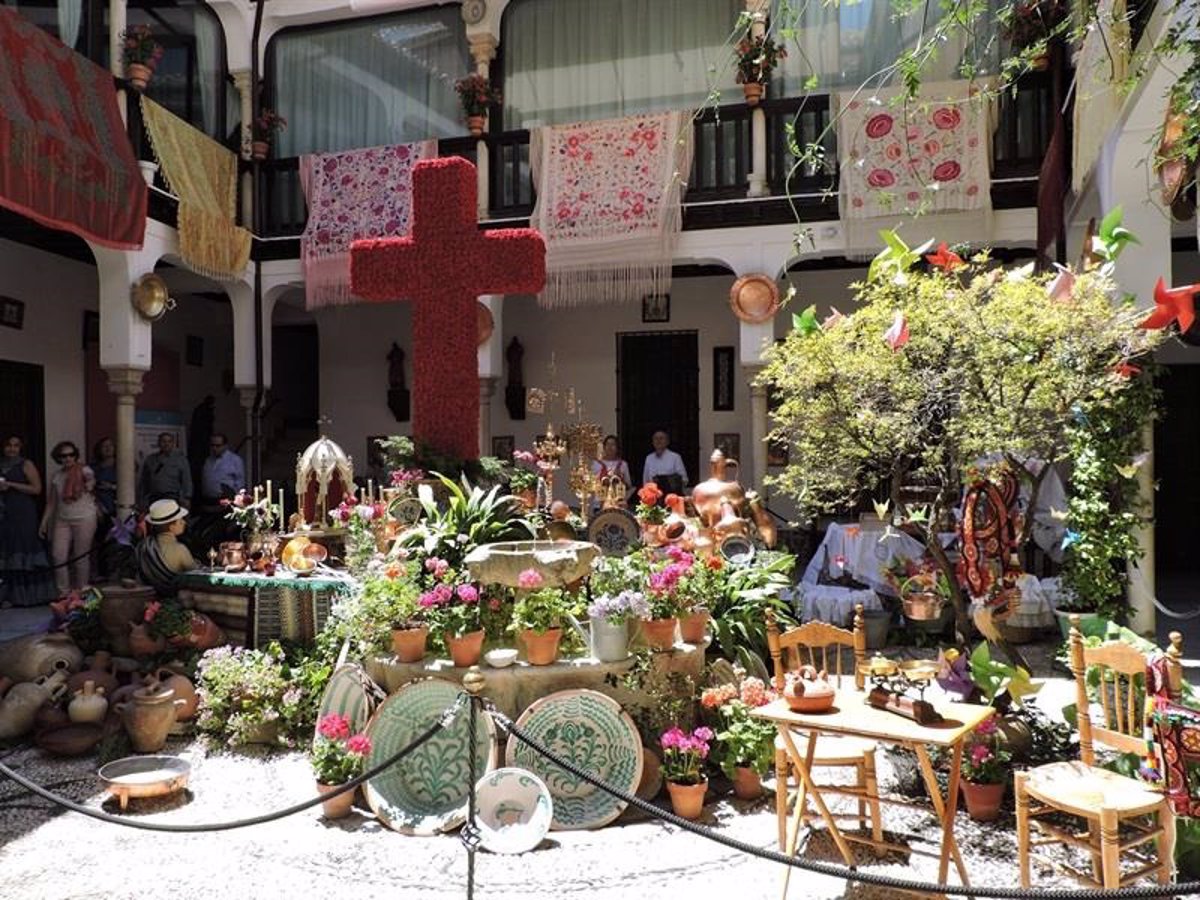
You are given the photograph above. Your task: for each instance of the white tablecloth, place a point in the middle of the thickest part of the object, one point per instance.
(863, 554)
(829, 602)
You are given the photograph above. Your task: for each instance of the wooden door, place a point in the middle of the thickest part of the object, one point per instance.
(23, 409)
(658, 389)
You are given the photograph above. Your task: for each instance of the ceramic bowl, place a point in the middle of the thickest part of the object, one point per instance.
(500, 658)
(513, 810)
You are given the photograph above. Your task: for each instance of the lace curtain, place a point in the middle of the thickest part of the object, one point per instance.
(581, 60)
(371, 82)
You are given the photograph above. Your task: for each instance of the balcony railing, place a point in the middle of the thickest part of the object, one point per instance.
(722, 163)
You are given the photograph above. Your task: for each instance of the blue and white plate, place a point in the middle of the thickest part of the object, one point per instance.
(513, 810)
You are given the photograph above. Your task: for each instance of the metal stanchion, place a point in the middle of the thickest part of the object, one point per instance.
(474, 683)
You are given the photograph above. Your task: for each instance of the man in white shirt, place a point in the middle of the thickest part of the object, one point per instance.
(224, 473)
(663, 462)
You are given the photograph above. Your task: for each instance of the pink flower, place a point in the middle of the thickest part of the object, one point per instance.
(335, 727)
(703, 733)
(530, 579)
(494, 604)
(468, 594)
(946, 118)
(754, 692)
(880, 178)
(947, 171)
(358, 744)
(878, 126)
(439, 567)
(980, 754)
(987, 727)
(672, 739)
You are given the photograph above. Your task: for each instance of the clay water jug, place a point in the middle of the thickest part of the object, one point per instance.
(184, 691)
(22, 701)
(148, 717)
(708, 495)
(50, 715)
(142, 644)
(26, 658)
(100, 673)
(89, 704)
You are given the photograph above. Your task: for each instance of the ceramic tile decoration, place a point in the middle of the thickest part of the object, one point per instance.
(514, 810)
(593, 732)
(427, 792)
(614, 531)
(351, 693)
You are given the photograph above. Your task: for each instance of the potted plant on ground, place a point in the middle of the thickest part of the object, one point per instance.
(756, 57)
(537, 617)
(266, 126)
(985, 773)
(747, 744)
(248, 696)
(523, 478)
(140, 52)
(476, 95)
(337, 756)
(684, 754)
(451, 607)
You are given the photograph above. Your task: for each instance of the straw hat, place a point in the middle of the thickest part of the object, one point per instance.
(164, 512)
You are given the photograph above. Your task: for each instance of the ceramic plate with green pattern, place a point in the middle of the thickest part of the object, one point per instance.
(426, 792)
(593, 732)
(350, 693)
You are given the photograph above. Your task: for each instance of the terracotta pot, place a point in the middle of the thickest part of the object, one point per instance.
(72, 739)
(120, 607)
(89, 705)
(983, 800)
(49, 716)
(754, 92)
(204, 634)
(1040, 63)
(336, 807)
(747, 784)
(693, 626)
(148, 717)
(541, 649)
(260, 150)
(141, 644)
(138, 76)
(184, 690)
(808, 696)
(409, 643)
(100, 673)
(659, 634)
(652, 534)
(476, 124)
(465, 650)
(687, 799)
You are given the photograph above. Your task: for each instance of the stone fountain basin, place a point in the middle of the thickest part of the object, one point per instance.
(558, 562)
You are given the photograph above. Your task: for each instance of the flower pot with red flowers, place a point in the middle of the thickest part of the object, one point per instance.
(337, 757)
(651, 514)
(746, 745)
(477, 96)
(1031, 25)
(523, 478)
(684, 754)
(756, 56)
(262, 132)
(140, 53)
(451, 608)
(538, 616)
(985, 773)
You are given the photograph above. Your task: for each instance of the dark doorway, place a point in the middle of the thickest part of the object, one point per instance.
(23, 409)
(295, 385)
(658, 377)
(1176, 437)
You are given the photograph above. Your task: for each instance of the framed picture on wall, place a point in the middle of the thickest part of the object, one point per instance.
(722, 379)
(12, 313)
(729, 443)
(656, 308)
(503, 446)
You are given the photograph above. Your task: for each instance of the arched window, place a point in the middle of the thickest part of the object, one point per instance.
(580, 60)
(369, 82)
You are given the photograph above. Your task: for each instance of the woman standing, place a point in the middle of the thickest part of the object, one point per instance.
(70, 518)
(24, 569)
(611, 465)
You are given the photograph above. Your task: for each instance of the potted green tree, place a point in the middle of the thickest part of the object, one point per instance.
(756, 56)
(476, 95)
(266, 126)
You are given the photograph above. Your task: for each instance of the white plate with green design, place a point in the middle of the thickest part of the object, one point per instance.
(350, 693)
(426, 792)
(593, 732)
(513, 810)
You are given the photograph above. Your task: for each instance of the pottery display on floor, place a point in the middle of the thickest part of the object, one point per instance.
(145, 776)
(148, 717)
(89, 705)
(99, 671)
(513, 811)
(184, 690)
(20, 705)
(33, 655)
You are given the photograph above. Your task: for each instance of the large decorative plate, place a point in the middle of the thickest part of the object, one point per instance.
(614, 531)
(593, 732)
(426, 792)
(513, 810)
(350, 693)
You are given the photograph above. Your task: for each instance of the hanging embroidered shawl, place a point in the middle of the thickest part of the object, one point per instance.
(66, 159)
(203, 175)
(1102, 66)
(355, 194)
(929, 155)
(609, 205)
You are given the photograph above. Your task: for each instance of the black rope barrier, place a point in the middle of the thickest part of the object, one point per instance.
(836, 871)
(443, 721)
(34, 571)
(470, 831)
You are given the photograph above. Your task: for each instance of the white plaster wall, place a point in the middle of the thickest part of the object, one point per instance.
(56, 291)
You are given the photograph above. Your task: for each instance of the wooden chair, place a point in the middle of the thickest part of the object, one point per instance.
(810, 644)
(1120, 813)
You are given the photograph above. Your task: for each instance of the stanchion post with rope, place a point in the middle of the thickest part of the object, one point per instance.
(474, 683)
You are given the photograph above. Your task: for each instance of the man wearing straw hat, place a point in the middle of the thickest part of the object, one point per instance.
(161, 557)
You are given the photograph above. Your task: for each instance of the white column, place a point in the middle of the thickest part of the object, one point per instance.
(126, 383)
(483, 51)
(491, 369)
(753, 340)
(241, 80)
(758, 119)
(487, 388)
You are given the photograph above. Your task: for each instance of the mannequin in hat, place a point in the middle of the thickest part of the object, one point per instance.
(161, 557)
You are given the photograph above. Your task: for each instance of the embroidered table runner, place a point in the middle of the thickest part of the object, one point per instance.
(930, 154)
(609, 205)
(66, 162)
(203, 175)
(356, 194)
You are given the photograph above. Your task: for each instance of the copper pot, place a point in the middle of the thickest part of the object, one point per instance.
(232, 555)
(708, 495)
(923, 606)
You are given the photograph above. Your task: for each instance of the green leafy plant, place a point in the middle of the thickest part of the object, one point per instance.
(337, 755)
(756, 57)
(739, 613)
(744, 741)
(385, 600)
(401, 453)
(541, 610)
(243, 691)
(994, 678)
(167, 619)
(984, 761)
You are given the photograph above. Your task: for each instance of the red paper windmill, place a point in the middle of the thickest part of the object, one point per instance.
(1172, 305)
(443, 266)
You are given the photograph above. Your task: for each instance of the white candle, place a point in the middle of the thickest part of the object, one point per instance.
(281, 507)
(270, 493)
(257, 489)
(370, 490)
